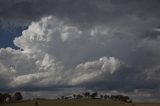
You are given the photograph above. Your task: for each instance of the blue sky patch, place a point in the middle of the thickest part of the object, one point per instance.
(8, 33)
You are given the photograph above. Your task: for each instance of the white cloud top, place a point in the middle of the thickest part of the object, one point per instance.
(46, 57)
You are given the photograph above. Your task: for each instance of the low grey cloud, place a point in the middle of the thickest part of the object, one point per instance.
(84, 13)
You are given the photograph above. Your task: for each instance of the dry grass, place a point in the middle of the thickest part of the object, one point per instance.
(79, 103)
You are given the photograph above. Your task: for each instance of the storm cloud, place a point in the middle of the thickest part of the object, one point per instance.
(101, 45)
(90, 11)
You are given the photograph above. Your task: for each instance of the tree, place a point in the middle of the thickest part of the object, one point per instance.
(119, 97)
(74, 96)
(62, 97)
(106, 97)
(66, 98)
(7, 97)
(94, 95)
(126, 98)
(79, 96)
(86, 94)
(1, 98)
(18, 96)
(101, 96)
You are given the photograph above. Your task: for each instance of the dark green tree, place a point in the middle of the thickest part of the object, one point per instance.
(86, 95)
(101, 96)
(74, 96)
(94, 95)
(79, 96)
(1, 98)
(18, 96)
(106, 97)
(62, 97)
(8, 97)
(126, 98)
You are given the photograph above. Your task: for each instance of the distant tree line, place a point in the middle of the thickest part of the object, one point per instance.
(8, 98)
(95, 95)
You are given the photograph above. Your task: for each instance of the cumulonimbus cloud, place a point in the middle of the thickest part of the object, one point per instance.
(38, 64)
(96, 44)
(54, 53)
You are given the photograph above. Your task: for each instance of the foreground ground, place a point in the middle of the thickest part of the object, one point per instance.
(79, 103)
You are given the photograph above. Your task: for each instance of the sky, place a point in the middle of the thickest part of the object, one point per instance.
(50, 48)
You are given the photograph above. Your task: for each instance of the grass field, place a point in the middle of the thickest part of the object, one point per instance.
(79, 103)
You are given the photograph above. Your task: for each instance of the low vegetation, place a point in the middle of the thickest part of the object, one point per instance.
(94, 95)
(84, 99)
(7, 98)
